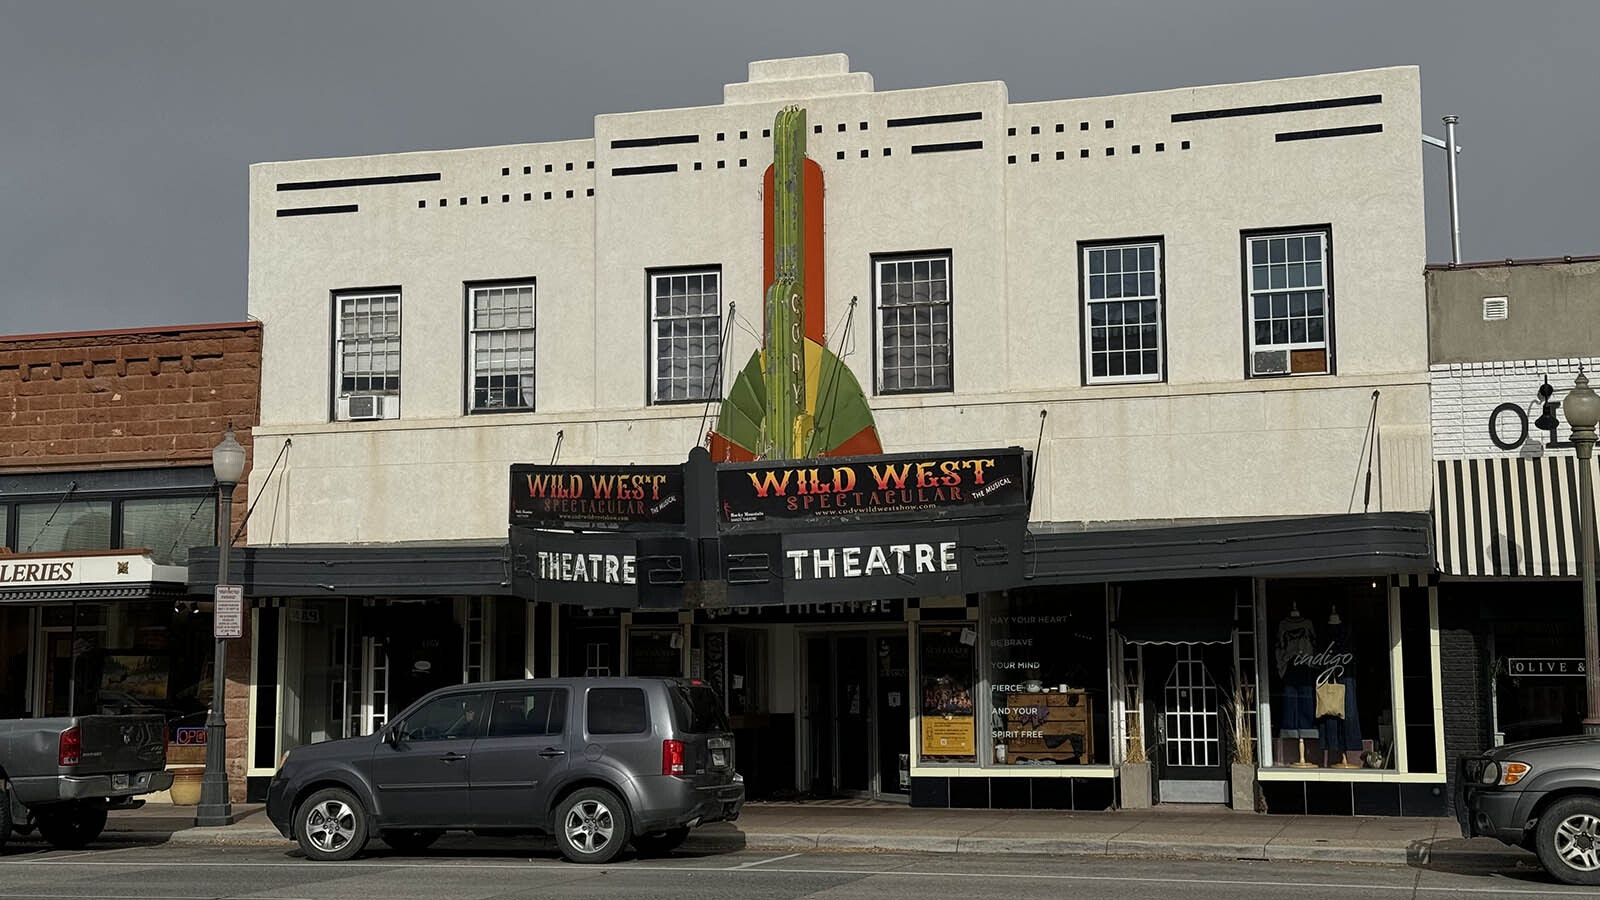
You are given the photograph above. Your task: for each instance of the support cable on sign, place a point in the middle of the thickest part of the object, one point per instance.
(715, 395)
(830, 390)
(234, 538)
(1369, 444)
(71, 486)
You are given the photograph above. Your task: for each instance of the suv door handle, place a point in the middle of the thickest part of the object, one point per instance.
(453, 756)
(552, 752)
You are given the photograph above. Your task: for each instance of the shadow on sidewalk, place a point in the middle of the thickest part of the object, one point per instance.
(1479, 857)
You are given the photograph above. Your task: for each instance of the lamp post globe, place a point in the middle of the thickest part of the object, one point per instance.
(216, 806)
(1582, 409)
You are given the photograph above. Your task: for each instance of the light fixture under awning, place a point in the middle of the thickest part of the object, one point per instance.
(1197, 620)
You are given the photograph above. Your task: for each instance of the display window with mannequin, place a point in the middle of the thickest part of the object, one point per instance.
(1328, 670)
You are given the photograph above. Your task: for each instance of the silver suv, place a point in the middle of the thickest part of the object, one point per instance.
(595, 762)
(1541, 795)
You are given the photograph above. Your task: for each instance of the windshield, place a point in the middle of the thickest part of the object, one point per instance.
(697, 709)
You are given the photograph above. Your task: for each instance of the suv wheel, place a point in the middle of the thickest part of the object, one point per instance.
(661, 843)
(331, 825)
(591, 826)
(1568, 840)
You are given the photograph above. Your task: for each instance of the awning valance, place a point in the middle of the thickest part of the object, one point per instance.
(1206, 619)
(1507, 516)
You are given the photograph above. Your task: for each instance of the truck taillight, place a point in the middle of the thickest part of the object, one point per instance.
(672, 757)
(70, 748)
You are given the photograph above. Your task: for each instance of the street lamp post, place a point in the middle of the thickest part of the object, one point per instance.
(216, 807)
(1582, 409)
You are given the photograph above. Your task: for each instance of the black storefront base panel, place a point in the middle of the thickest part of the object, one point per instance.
(978, 792)
(1344, 798)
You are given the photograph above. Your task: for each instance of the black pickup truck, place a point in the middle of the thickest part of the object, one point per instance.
(61, 775)
(1541, 795)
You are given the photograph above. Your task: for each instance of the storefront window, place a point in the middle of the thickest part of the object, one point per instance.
(948, 666)
(61, 527)
(169, 526)
(1328, 672)
(14, 633)
(656, 652)
(1047, 669)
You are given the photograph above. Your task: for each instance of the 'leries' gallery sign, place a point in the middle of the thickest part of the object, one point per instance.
(901, 487)
(597, 498)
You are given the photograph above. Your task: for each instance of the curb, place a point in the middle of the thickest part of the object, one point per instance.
(1174, 847)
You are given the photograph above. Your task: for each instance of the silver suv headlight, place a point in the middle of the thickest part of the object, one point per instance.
(1504, 773)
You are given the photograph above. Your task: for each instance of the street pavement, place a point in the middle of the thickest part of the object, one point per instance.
(1164, 832)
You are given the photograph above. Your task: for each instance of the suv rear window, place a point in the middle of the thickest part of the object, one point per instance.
(617, 711)
(697, 709)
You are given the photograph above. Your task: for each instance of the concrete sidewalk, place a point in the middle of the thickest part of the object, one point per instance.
(1189, 833)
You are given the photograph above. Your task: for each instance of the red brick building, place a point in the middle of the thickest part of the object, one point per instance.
(105, 463)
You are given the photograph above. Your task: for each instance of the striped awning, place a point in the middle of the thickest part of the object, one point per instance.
(1507, 516)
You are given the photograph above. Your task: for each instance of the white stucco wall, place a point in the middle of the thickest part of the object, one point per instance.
(1207, 442)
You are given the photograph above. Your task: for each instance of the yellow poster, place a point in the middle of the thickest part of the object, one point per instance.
(955, 736)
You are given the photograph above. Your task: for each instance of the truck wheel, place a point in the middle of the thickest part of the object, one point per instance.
(330, 825)
(591, 826)
(1568, 840)
(71, 829)
(661, 843)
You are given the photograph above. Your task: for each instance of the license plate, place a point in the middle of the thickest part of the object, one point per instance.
(719, 758)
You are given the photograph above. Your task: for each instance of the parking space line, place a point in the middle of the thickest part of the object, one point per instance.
(762, 862)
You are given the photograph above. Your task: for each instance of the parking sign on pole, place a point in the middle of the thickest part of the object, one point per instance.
(227, 616)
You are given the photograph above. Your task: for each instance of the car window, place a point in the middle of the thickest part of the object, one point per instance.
(697, 709)
(452, 717)
(526, 711)
(617, 711)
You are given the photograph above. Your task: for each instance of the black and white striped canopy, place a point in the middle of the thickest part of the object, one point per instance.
(1507, 516)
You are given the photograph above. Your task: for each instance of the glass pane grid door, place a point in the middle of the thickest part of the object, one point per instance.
(1194, 735)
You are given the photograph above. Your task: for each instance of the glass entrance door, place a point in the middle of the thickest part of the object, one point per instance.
(1187, 701)
(857, 714)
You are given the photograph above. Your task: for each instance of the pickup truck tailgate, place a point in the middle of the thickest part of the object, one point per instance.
(121, 744)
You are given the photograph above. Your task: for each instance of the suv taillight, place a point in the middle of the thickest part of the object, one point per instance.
(672, 757)
(70, 747)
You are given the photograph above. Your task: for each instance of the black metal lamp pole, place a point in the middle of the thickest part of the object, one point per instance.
(1582, 409)
(216, 807)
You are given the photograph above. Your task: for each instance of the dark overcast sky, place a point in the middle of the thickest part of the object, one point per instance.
(126, 128)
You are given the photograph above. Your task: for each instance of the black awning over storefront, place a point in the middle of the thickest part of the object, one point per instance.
(1204, 619)
(1356, 544)
(378, 570)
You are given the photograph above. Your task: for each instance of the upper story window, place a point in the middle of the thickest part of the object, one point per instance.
(1122, 310)
(168, 522)
(685, 335)
(501, 321)
(912, 305)
(367, 347)
(1290, 311)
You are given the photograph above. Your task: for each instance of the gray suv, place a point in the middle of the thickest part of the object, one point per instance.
(1541, 795)
(597, 763)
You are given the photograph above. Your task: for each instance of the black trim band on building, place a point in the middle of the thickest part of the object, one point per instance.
(1319, 133)
(1357, 544)
(318, 210)
(383, 570)
(1268, 109)
(93, 593)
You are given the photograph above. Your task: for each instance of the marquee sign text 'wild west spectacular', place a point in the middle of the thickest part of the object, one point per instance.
(596, 497)
(975, 483)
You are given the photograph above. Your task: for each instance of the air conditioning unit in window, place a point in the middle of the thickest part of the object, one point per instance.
(365, 407)
(1269, 362)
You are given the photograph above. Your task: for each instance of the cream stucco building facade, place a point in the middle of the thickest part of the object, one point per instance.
(1264, 348)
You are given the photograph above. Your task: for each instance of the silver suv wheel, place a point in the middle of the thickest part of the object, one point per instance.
(1568, 840)
(331, 825)
(592, 826)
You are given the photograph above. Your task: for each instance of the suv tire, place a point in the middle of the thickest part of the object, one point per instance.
(591, 826)
(409, 840)
(661, 842)
(1568, 840)
(331, 825)
(71, 828)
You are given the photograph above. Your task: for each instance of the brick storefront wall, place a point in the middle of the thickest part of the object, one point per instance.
(138, 399)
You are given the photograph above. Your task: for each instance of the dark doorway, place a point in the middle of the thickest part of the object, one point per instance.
(857, 715)
(1185, 690)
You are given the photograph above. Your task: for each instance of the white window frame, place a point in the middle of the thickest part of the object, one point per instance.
(710, 338)
(386, 343)
(1263, 285)
(936, 307)
(1118, 295)
(511, 347)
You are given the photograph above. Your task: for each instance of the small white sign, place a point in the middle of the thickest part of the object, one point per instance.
(227, 615)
